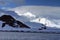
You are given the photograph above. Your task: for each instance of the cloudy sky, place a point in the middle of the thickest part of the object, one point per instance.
(43, 8)
(17, 3)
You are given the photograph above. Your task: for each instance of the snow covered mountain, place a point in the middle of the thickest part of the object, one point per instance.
(31, 20)
(45, 21)
(14, 14)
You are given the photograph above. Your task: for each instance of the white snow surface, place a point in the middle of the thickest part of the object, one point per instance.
(33, 23)
(34, 28)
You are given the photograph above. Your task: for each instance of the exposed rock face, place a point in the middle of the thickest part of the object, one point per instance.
(9, 20)
(22, 25)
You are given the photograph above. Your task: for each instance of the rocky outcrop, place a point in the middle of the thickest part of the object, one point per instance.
(9, 20)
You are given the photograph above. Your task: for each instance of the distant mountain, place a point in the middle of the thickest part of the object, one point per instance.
(14, 14)
(27, 17)
(34, 23)
(22, 17)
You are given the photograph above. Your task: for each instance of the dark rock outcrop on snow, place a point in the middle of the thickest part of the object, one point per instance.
(9, 20)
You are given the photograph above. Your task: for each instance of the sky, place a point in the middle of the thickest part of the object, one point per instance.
(16, 3)
(42, 8)
(52, 6)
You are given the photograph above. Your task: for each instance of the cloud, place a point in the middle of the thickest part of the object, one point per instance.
(19, 2)
(11, 3)
(42, 11)
(28, 14)
(3, 3)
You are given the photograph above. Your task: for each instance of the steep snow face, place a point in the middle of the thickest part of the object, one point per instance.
(46, 22)
(34, 25)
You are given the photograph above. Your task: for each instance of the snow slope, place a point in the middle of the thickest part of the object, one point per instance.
(33, 23)
(46, 22)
